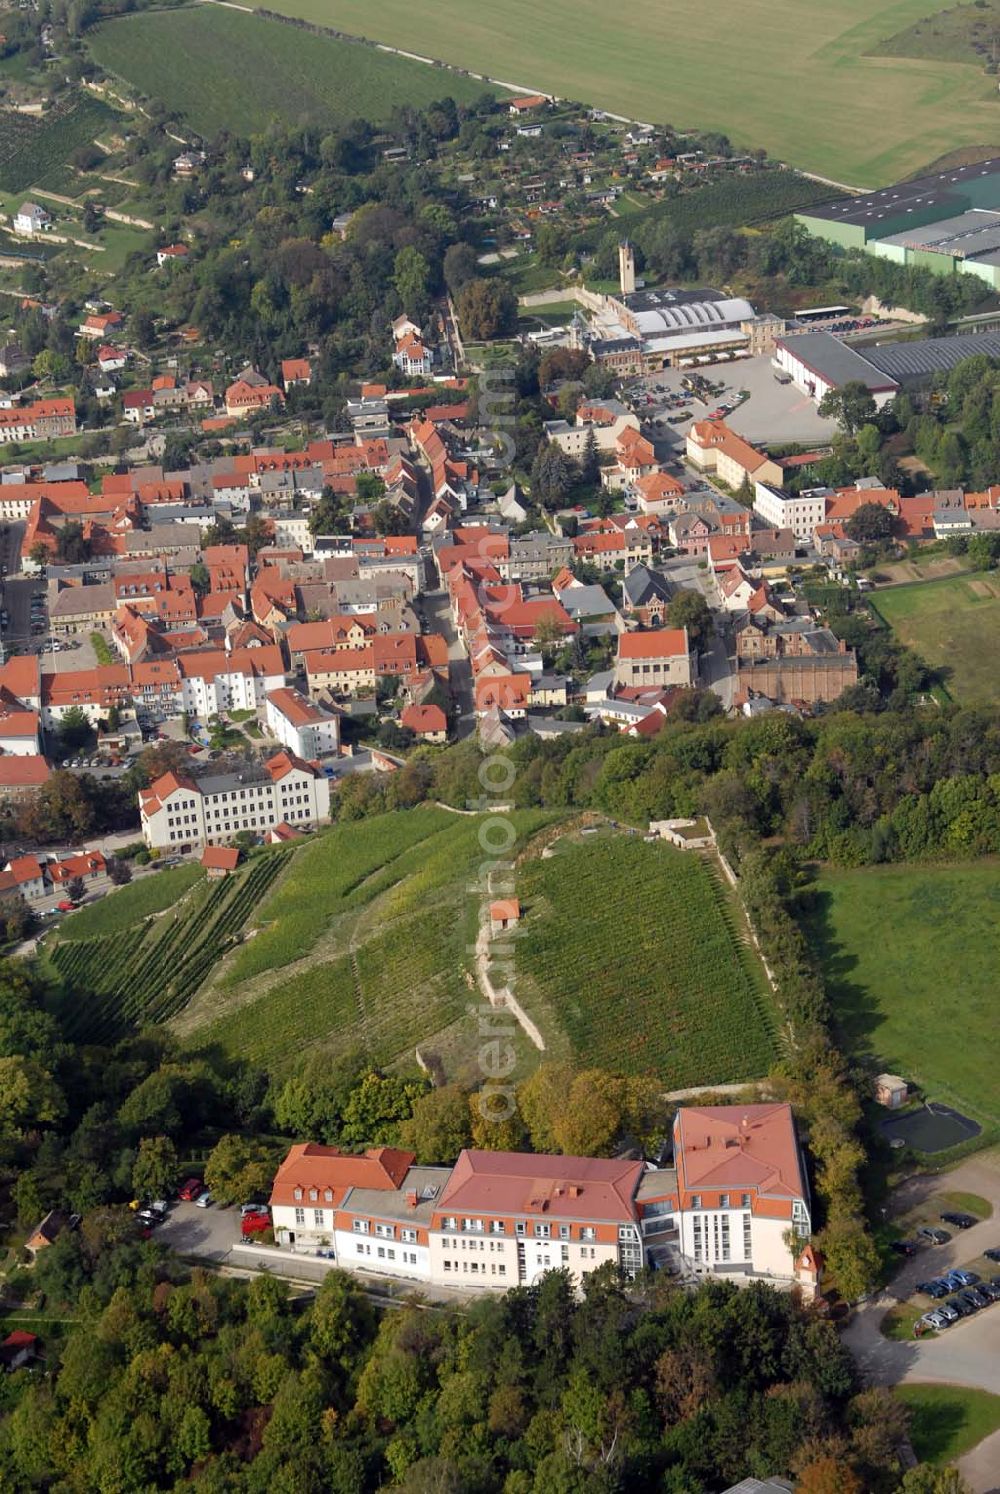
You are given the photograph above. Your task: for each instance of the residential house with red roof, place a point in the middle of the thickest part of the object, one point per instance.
(24, 875)
(43, 420)
(296, 371)
(427, 722)
(412, 356)
(251, 393)
(22, 776)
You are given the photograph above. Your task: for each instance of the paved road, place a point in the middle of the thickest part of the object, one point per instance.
(966, 1353)
(438, 619)
(981, 1467)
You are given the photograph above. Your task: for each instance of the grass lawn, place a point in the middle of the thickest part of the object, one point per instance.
(891, 940)
(126, 906)
(677, 993)
(948, 1420)
(198, 61)
(954, 624)
(904, 112)
(899, 1320)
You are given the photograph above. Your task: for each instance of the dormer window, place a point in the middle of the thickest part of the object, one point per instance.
(328, 1195)
(313, 1194)
(297, 1193)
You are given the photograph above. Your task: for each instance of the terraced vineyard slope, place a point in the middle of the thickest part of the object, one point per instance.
(368, 943)
(633, 957)
(132, 973)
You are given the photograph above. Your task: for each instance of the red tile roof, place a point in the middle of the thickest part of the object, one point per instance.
(220, 858)
(660, 643)
(311, 1166)
(424, 719)
(23, 771)
(588, 1188)
(734, 1146)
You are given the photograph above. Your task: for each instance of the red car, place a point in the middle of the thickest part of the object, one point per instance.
(66, 906)
(254, 1224)
(190, 1189)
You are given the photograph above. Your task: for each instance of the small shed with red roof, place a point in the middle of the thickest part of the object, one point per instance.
(219, 861)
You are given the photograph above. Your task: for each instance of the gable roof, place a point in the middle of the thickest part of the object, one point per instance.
(309, 1165)
(220, 858)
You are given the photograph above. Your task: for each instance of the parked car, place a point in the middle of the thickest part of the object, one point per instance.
(959, 1220)
(934, 1320)
(990, 1290)
(993, 1254)
(978, 1297)
(204, 1200)
(254, 1208)
(933, 1234)
(934, 1288)
(190, 1189)
(963, 1308)
(254, 1224)
(904, 1247)
(971, 1300)
(947, 1311)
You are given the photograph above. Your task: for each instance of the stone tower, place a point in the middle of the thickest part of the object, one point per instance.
(626, 267)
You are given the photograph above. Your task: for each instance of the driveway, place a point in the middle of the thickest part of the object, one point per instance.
(209, 1234)
(965, 1353)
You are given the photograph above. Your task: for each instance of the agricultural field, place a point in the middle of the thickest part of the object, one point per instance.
(30, 148)
(198, 62)
(681, 996)
(130, 974)
(890, 939)
(890, 116)
(366, 944)
(954, 625)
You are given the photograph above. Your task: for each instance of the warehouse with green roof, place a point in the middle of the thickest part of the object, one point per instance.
(945, 222)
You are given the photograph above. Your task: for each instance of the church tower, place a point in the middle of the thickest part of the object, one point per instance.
(626, 267)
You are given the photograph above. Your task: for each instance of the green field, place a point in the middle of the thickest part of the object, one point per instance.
(366, 944)
(892, 940)
(948, 1420)
(805, 86)
(127, 906)
(954, 625)
(631, 957)
(223, 70)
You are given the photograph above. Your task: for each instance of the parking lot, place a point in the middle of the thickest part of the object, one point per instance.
(207, 1233)
(774, 412)
(964, 1353)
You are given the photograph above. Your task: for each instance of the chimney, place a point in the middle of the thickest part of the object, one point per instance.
(575, 1190)
(411, 1199)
